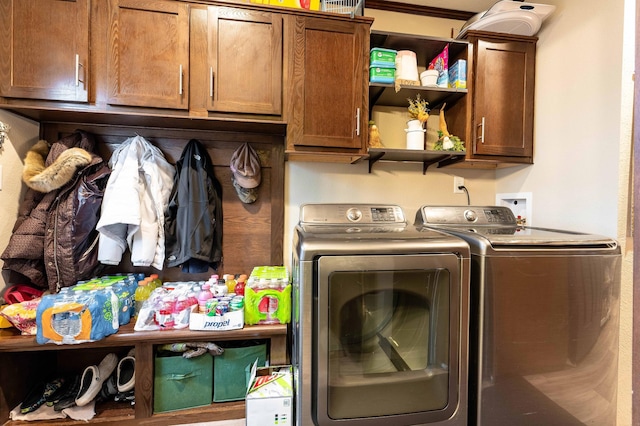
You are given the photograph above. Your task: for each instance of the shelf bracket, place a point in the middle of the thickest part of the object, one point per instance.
(373, 158)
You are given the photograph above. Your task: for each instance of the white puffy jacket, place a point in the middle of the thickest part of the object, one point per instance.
(133, 206)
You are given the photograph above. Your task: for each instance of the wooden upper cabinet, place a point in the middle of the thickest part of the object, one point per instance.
(44, 49)
(329, 86)
(503, 96)
(148, 62)
(244, 70)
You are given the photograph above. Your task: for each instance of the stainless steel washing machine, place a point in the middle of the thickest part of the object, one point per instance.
(380, 319)
(544, 319)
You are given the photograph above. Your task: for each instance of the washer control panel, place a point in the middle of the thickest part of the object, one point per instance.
(362, 214)
(464, 215)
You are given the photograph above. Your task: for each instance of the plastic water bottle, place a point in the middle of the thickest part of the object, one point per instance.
(240, 284)
(143, 291)
(204, 295)
(181, 312)
(230, 281)
(164, 314)
(220, 289)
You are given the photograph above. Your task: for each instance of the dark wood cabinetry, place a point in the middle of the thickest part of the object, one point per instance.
(494, 115)
(44, 48)
(244, 54)
(503, 80)
(328, 110)
(148, 56)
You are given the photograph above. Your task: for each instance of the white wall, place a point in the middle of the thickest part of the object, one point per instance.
(22, 135)
(577, 119)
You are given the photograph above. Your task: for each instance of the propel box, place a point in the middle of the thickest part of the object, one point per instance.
(232, 320)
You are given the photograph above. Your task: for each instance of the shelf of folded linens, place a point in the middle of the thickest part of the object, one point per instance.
(12, 341)
(426, 157)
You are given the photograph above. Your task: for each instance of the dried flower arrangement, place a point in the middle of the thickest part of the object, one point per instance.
(419, 109)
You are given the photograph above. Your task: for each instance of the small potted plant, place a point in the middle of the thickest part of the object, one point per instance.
(419, 110)
(447, 141)
(419, 113)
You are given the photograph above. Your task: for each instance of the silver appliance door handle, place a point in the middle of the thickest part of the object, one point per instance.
(358, 122)
(180, 83)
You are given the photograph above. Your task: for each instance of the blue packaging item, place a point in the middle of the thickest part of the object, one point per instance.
(122, 290)
(382, 75)
(72, 317)
(380, 57)
(458, 74)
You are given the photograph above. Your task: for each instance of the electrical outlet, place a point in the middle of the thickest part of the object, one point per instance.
(458, 182)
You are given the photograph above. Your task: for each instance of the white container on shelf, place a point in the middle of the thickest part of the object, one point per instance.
(406, 65)
(429, 78)
(415, 138)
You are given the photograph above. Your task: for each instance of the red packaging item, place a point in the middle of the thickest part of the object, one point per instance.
(441, 63)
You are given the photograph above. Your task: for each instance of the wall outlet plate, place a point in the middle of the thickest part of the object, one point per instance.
(457, 183)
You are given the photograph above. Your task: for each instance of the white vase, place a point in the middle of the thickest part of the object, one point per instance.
(415, 138)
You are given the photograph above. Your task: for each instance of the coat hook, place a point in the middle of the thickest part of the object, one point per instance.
(4, 130)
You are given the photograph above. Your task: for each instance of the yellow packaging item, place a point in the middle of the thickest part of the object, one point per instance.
(295, 4)
(4, 323)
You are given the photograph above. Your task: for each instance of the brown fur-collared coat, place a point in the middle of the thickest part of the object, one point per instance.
(54, 241)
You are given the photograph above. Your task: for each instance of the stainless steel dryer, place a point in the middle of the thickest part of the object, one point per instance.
(380, 319)
(544, 319)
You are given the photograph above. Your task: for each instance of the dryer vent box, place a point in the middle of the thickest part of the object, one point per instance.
(520, 204)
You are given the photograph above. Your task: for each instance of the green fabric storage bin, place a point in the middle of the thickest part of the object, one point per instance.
(181, 383)
(232, 371)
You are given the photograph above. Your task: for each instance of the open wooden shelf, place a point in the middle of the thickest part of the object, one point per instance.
(34, 361)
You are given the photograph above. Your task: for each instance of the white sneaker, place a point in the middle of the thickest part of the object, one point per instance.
(126, 373)
(93, 377)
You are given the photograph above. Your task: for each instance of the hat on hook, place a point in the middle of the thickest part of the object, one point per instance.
(245, 166)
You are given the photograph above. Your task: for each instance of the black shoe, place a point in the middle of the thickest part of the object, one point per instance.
(128, 396)
(39, 394)
(109, 389)
(68, 398)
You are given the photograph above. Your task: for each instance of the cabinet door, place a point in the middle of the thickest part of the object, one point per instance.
(245, 61)
(504, 98)
(148, 62)
(329, 106)
(44, 46)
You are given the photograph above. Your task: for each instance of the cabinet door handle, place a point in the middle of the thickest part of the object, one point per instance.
(357, 121)
(482, 131)
(78, 65)
(211, 82)
(180, 83)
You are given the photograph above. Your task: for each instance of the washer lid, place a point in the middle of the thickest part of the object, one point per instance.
(497, 226)
(510, 17)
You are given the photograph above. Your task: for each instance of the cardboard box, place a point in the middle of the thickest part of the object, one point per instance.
(270, 397)
(232, 371)
(458, 75)
(181, 383)
(232, 320)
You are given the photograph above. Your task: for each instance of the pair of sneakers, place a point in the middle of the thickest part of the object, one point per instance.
(101, 380)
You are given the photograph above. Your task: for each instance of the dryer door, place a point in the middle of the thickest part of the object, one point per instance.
(387, 339)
